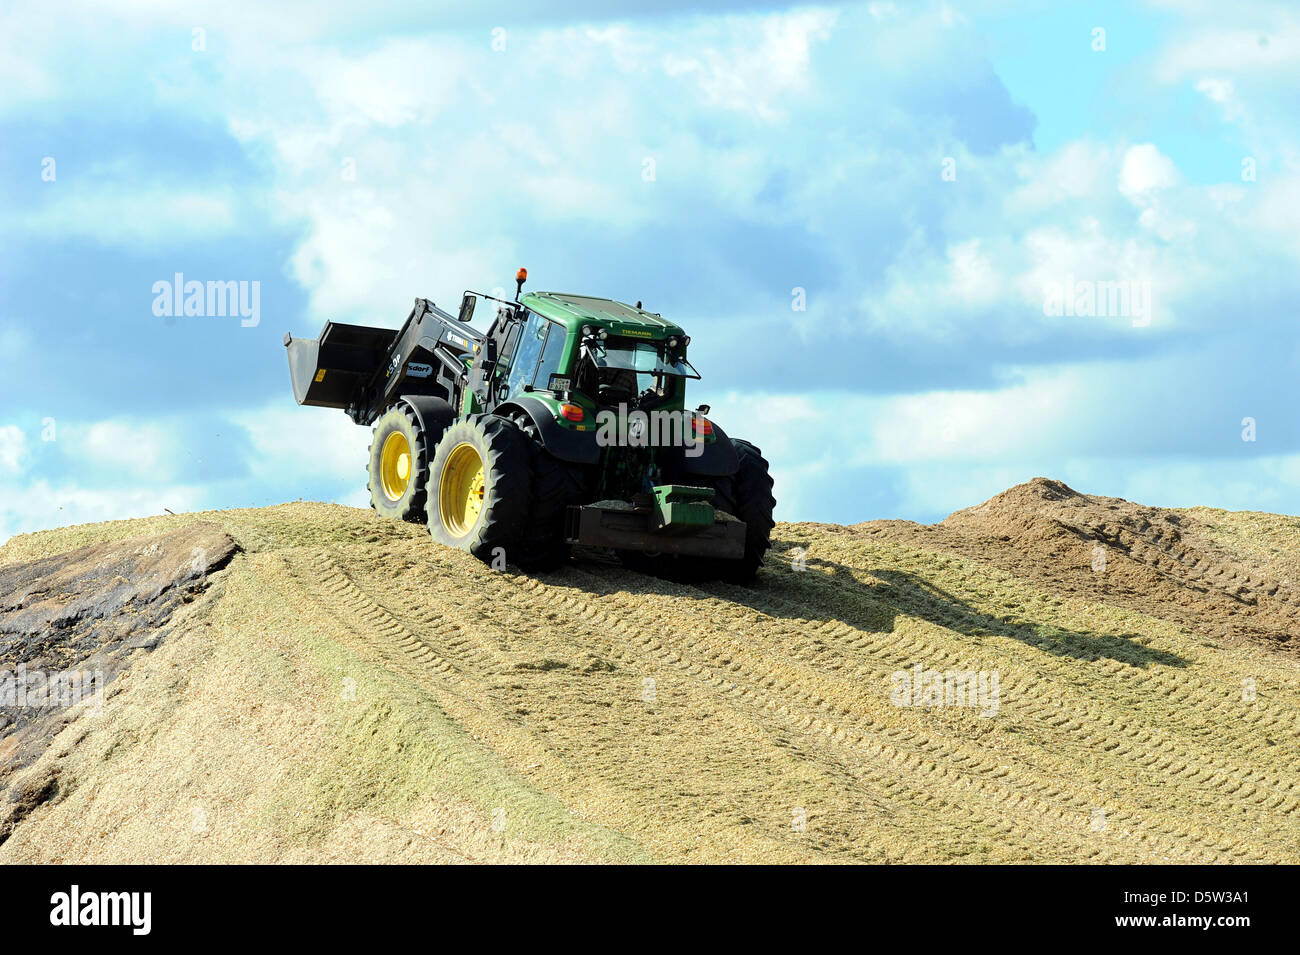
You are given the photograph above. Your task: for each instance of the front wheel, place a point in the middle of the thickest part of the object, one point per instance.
(398, 467)
(478, 488)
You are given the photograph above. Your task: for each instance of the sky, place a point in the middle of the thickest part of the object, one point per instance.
(925, 251)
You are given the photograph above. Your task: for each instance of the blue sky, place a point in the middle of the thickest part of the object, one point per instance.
(349, 160)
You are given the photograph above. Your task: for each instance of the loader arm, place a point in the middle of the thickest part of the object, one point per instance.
(364, 370)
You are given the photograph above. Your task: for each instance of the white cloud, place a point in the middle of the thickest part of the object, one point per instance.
(1222, 93)
(970, 425)
(132, 450)
(131, 218)
(462, 155)
(120, 467)
(971, 276)
(1023, 222)
(1256, 484)
(794, 434)
(1216, 90)
(42, 505)
(305, 443)
(1145, 169)
(1268, 47)
(755, 74)
(1075, 171)
(368, 89)
(942, 451)
(13, 447)
(812, 440)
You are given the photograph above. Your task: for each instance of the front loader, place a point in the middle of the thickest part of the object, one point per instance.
(565, 422)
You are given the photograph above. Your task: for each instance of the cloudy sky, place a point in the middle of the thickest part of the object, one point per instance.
(861, 213)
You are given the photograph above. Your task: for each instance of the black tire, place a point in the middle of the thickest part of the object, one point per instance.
(399, 424)
(554, 486)
(746, 495)
(493, 535)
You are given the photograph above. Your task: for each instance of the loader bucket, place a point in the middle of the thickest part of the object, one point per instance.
(329, 371)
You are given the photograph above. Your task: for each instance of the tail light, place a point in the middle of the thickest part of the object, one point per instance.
(572, 412)
(702, 425)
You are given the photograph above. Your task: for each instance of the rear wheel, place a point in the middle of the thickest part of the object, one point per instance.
(556, 485)
(478, 488)
(746, 495)
(398, 466)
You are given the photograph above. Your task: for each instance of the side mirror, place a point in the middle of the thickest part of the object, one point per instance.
(467, 307)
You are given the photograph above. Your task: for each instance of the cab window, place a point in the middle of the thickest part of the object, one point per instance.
(531, 340)
(552, 353)
(508, 342)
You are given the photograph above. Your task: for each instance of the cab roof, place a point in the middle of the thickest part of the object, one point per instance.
(574, 311)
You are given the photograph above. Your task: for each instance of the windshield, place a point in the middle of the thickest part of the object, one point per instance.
(644, 358)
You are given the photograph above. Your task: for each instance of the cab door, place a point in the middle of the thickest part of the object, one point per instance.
(493, 362)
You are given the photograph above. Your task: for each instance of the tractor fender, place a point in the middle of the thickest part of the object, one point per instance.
(434, 414)
(577, 447)
(718, 459)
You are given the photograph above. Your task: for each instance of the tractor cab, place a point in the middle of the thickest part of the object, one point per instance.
(560, 348)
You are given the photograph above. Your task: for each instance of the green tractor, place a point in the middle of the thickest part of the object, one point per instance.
(564, 423)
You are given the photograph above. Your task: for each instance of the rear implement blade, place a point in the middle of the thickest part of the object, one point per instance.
(623, 528)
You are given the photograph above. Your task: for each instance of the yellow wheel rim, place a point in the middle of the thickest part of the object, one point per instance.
(395, 466)
(461, 490)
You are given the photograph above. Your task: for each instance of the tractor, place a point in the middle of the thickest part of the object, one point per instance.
(564, 423)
